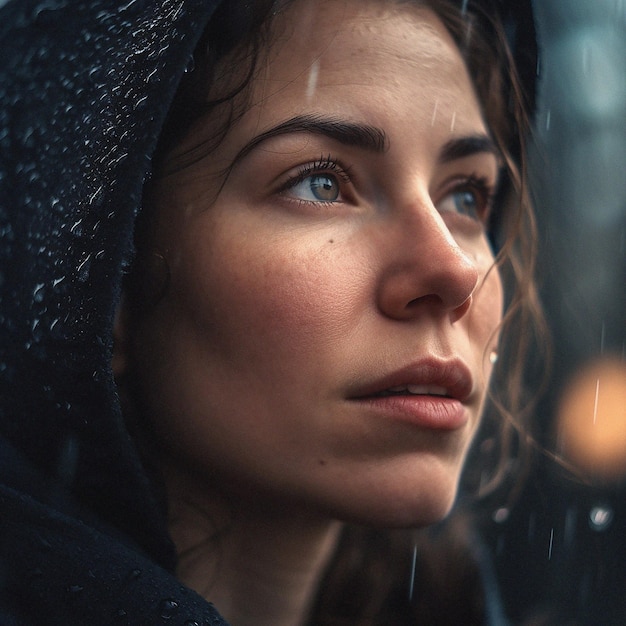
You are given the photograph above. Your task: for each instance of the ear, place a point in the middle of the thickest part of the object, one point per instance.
(121, 342)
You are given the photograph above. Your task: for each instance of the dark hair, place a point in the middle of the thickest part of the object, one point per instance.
(367, 582)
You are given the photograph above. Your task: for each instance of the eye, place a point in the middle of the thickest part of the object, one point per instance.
(322, 182)
(316, 188)
(471, 198)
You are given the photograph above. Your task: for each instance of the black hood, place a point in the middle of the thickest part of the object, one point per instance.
(85, 86)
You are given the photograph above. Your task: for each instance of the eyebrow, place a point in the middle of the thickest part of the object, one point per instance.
(364, 136)
(461, 147)
(348, 133)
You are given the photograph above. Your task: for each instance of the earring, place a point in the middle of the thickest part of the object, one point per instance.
(493, 357)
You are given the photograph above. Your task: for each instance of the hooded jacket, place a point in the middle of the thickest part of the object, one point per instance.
(85, 86)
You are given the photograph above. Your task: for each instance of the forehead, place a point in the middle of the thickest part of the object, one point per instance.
(383, 63)
(380, 62)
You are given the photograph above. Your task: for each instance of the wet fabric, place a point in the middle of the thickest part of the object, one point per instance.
(84, 88)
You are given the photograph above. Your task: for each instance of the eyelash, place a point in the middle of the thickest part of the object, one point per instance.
(479, 185)
(324, 165)
(483, 188)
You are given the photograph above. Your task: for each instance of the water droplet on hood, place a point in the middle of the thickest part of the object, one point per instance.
(168, 608)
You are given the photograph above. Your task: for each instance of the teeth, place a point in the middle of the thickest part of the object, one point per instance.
(424, 390)
(418, 390)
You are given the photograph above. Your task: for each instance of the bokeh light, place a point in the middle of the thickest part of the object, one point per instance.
(591, 420)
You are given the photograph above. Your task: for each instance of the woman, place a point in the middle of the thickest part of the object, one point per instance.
(308, 331)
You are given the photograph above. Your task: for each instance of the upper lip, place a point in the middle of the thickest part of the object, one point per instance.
(451, 378)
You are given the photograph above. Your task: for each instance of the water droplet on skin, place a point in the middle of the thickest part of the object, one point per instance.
(168, 608)
(312, 82)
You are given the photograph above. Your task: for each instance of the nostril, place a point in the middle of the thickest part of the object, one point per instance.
(434, 300)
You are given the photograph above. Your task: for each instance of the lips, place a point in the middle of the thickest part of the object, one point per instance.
(430, 394)
(451, 379)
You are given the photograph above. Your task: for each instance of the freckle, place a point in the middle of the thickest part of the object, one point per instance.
(331, 241)
(322, 462)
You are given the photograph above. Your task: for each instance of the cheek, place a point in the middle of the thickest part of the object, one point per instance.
(266, 304)
(273, 291)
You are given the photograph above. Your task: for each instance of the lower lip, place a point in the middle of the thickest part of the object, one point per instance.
(427, 412)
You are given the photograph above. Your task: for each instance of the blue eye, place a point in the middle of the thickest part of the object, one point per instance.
(316, 188)
(472, 198)
(467, 203)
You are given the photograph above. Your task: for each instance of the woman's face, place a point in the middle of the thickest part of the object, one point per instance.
(323, 343)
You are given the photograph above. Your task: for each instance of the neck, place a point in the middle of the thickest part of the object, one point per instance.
(258, 564)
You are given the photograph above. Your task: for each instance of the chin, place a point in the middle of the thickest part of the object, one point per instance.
(403, 508)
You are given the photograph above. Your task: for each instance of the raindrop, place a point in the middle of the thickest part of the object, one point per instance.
(95, 194)
(75, 588)
(191, 622)
(501, 515)
(83, 269)
(434, 117)
(312, 82)
(191, 65)
(68, 459)
(570, 526)
(136, 573)
(412, 580)
(44, 543)
(168, 608)
(600, 518)
(38, 293)
(76, 228)
(551, 544)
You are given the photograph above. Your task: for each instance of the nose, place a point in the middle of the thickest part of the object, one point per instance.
(426, 270)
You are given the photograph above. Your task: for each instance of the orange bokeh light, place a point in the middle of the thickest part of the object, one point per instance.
(591, 419)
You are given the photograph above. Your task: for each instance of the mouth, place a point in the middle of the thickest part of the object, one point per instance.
(432, 394)
(413, 390)
(431, 377)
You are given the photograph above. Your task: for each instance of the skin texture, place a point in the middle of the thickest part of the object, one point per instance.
(283, 309)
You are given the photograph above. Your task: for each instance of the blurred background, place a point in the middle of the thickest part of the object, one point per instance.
(560, 551)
